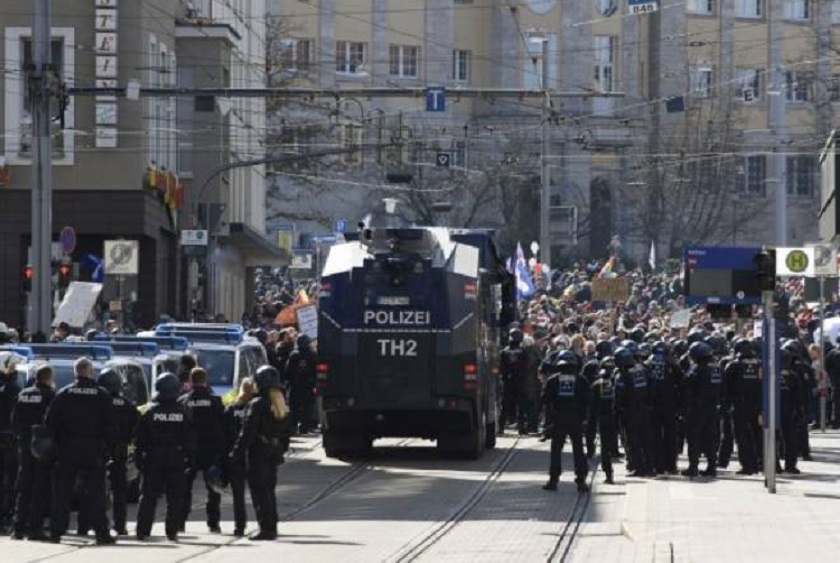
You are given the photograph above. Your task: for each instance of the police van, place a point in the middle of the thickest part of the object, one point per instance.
(225, 352)
(166, 357)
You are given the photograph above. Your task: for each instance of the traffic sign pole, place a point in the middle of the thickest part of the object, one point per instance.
(823, 384)
(770, 407)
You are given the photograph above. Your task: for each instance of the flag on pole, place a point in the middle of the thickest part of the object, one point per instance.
(652, 257)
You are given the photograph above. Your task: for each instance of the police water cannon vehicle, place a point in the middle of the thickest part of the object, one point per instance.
(409, 333)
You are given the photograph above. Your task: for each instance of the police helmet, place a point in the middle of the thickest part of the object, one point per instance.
(216, 479)
(796, 348)
(785, 358)
(608, 363)
(700, 352)
(680, 348)
(91, 334)
(696, 335)
(743, 348)
(167, 387)
(616, 341)
(303, 341)
(110, 380)
(631, 345)
(637, 335)
(624, 358)
(604, 348)
(590, 370)
(515, 335)
(267, 377)
(565, 357)
(43, 446)
(652, 336)
(645, 350)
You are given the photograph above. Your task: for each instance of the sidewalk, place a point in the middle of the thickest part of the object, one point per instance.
(731, 518)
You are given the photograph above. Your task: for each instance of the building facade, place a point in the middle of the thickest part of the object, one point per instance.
(723, 104)
(125, 169)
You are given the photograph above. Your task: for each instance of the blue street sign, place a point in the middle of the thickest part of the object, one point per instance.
(340, 226)
(436, 99)
(721, 275)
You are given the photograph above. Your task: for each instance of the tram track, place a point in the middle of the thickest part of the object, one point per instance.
(562, 548)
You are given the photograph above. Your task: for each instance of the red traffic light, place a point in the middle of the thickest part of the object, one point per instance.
(64, 270)
(29, 272)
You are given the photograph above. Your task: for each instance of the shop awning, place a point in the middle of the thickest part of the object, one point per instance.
(256, 249)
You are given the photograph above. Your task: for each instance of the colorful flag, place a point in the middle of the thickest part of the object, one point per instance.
(607, 270)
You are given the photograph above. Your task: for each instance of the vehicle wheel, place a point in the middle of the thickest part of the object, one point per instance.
(345, 444)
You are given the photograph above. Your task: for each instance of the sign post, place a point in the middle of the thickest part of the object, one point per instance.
(825, 265)
(770, 357)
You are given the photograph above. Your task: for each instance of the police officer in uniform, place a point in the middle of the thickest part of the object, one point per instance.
(633, 408)
(665, 382)
(702, 401)
(263, 441)
(9, 390)
(602, 417)
(301, 371)
(32, 495)
(124, 425)
(743, 377)
(236, 465)
(207, 412)
(513, 366)
(165, 448)
(566, 395)
(80, 418)
(792, 410)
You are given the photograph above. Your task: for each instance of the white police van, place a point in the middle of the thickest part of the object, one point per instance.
(224, 351)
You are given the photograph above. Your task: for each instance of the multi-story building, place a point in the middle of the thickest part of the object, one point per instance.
(131, 169)
(723, 103)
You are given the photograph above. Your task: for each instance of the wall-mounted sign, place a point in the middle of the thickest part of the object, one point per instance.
(107, 72)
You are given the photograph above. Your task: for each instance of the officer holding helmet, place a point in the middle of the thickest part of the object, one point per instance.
(566, 396)
(9, 390)
(32, 498)
(262, 442)
(165, 448)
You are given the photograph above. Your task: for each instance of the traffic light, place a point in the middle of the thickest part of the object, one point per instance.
(765, 269)
(28, 274)
(65, 270)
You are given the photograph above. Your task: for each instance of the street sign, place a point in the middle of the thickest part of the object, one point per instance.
(67, 238)
(436, 99)
(340, 226)
(301, 261)
(442, 159)
(194, 238)
(122, 257)
(720, 275)
(795, 261)
(642, 6)
(825, 260)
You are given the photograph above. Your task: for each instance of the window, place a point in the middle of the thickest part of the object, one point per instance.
(702, 173)
(402, 60)
(801, 175)
(700, 6)
(459, 154)
(351, 138)
(461, 65)
(751, 175)
(296, 54)
(797, 87)
(700, 81)
(833, 87)
(797, 9)
(349, 56)
(748, 84)
(605, 55)
(748, 8)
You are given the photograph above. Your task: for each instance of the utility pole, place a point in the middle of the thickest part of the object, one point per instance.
(40, 85)
(545, 171)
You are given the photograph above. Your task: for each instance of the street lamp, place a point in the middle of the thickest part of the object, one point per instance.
(545, 172)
